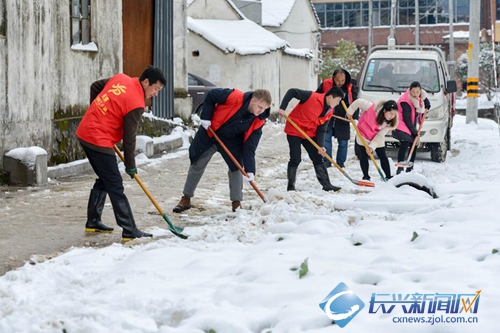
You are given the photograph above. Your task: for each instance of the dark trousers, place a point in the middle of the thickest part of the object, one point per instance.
(403, 148)
(295, 143)
(109, 178)
(363, 160)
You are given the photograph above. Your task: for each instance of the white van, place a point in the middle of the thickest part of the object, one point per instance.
(388, 73)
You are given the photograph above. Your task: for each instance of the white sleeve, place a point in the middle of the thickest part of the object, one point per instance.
(359, 104)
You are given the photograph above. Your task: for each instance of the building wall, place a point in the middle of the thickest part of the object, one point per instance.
(212, 10)
(301, 30)
(41, 78)
(230, 70)
(289, 79)
(251, 9)
(182, 103)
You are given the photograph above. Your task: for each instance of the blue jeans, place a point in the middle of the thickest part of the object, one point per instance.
(341, 149)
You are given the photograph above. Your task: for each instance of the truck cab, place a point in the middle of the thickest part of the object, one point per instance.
(388, 73)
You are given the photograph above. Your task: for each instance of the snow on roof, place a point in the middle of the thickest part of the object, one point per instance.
(303, 53)
(241, 36)
(275, 12)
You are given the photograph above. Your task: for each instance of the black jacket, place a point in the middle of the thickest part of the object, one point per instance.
(341, 129)
(410, 123)
(231, 133)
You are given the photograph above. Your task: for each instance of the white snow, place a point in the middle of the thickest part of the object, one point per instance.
(27, 156)
(275, 12)
(239, 272)
(241, 36)
(85, 47)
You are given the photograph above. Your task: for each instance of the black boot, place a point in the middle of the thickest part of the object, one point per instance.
(292, 174)
(125, 219)
(399, 170)
(410, 169)
(94, 212)
(324, 179)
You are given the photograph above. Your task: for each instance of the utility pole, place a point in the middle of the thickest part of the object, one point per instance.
(392, 36)
(417, 23)
(473, 63)
(370, 25)
(451, 18)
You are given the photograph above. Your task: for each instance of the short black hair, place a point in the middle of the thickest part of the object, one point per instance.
(335, 92)
(415, 84)
(153, 74)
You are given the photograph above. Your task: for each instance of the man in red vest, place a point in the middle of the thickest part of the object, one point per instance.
(116, 106)
(338, 128)
(237, 118)
(312, 115)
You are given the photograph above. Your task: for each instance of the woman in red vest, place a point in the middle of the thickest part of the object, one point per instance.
(375, 122)
(312, 115)
(237, 118)
(411, 105)
(116, 106)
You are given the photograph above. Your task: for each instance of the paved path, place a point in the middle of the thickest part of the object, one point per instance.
(41, 222)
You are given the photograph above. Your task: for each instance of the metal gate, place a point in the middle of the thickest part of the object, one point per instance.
(163, 57)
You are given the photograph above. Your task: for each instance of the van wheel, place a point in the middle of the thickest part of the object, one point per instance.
(439, 150)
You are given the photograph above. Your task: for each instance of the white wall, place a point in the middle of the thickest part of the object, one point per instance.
(235, 71)
(289, 79)
(300, 30)
(182, 105)
(40, 75)
(212, 10)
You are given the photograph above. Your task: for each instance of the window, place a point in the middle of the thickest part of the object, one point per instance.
(498, 10)
(355, 14)
(396, 75)
(80, 21)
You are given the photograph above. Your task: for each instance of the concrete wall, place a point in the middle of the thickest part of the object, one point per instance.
(212, 10)
(42, 81)
(289, 79)
(44, 84)
(182, 103)
(251, 9)
(235, 71)
(301, 30)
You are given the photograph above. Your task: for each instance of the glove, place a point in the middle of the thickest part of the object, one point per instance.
(131, 172)
(249, 178)
(205, 123)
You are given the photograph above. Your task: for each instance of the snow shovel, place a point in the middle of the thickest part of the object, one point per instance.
(173, 228)
(365, 144)
(359, 182)
(236, 163)
(408, 163)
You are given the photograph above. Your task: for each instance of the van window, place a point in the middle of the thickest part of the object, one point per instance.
(396, 75)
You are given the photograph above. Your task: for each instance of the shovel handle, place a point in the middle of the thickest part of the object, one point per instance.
(364, 144)
(136, 177)
(235, 161)
(416, 138)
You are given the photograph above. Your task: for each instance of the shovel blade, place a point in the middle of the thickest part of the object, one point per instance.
(404, 164)
(365, 183)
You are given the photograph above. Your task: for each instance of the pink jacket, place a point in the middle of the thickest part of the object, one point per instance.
(373, 133)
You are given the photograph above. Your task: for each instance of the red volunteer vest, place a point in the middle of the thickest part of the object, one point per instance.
(307, 116)
(223, 112)
(328, 84)
(102, 124)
